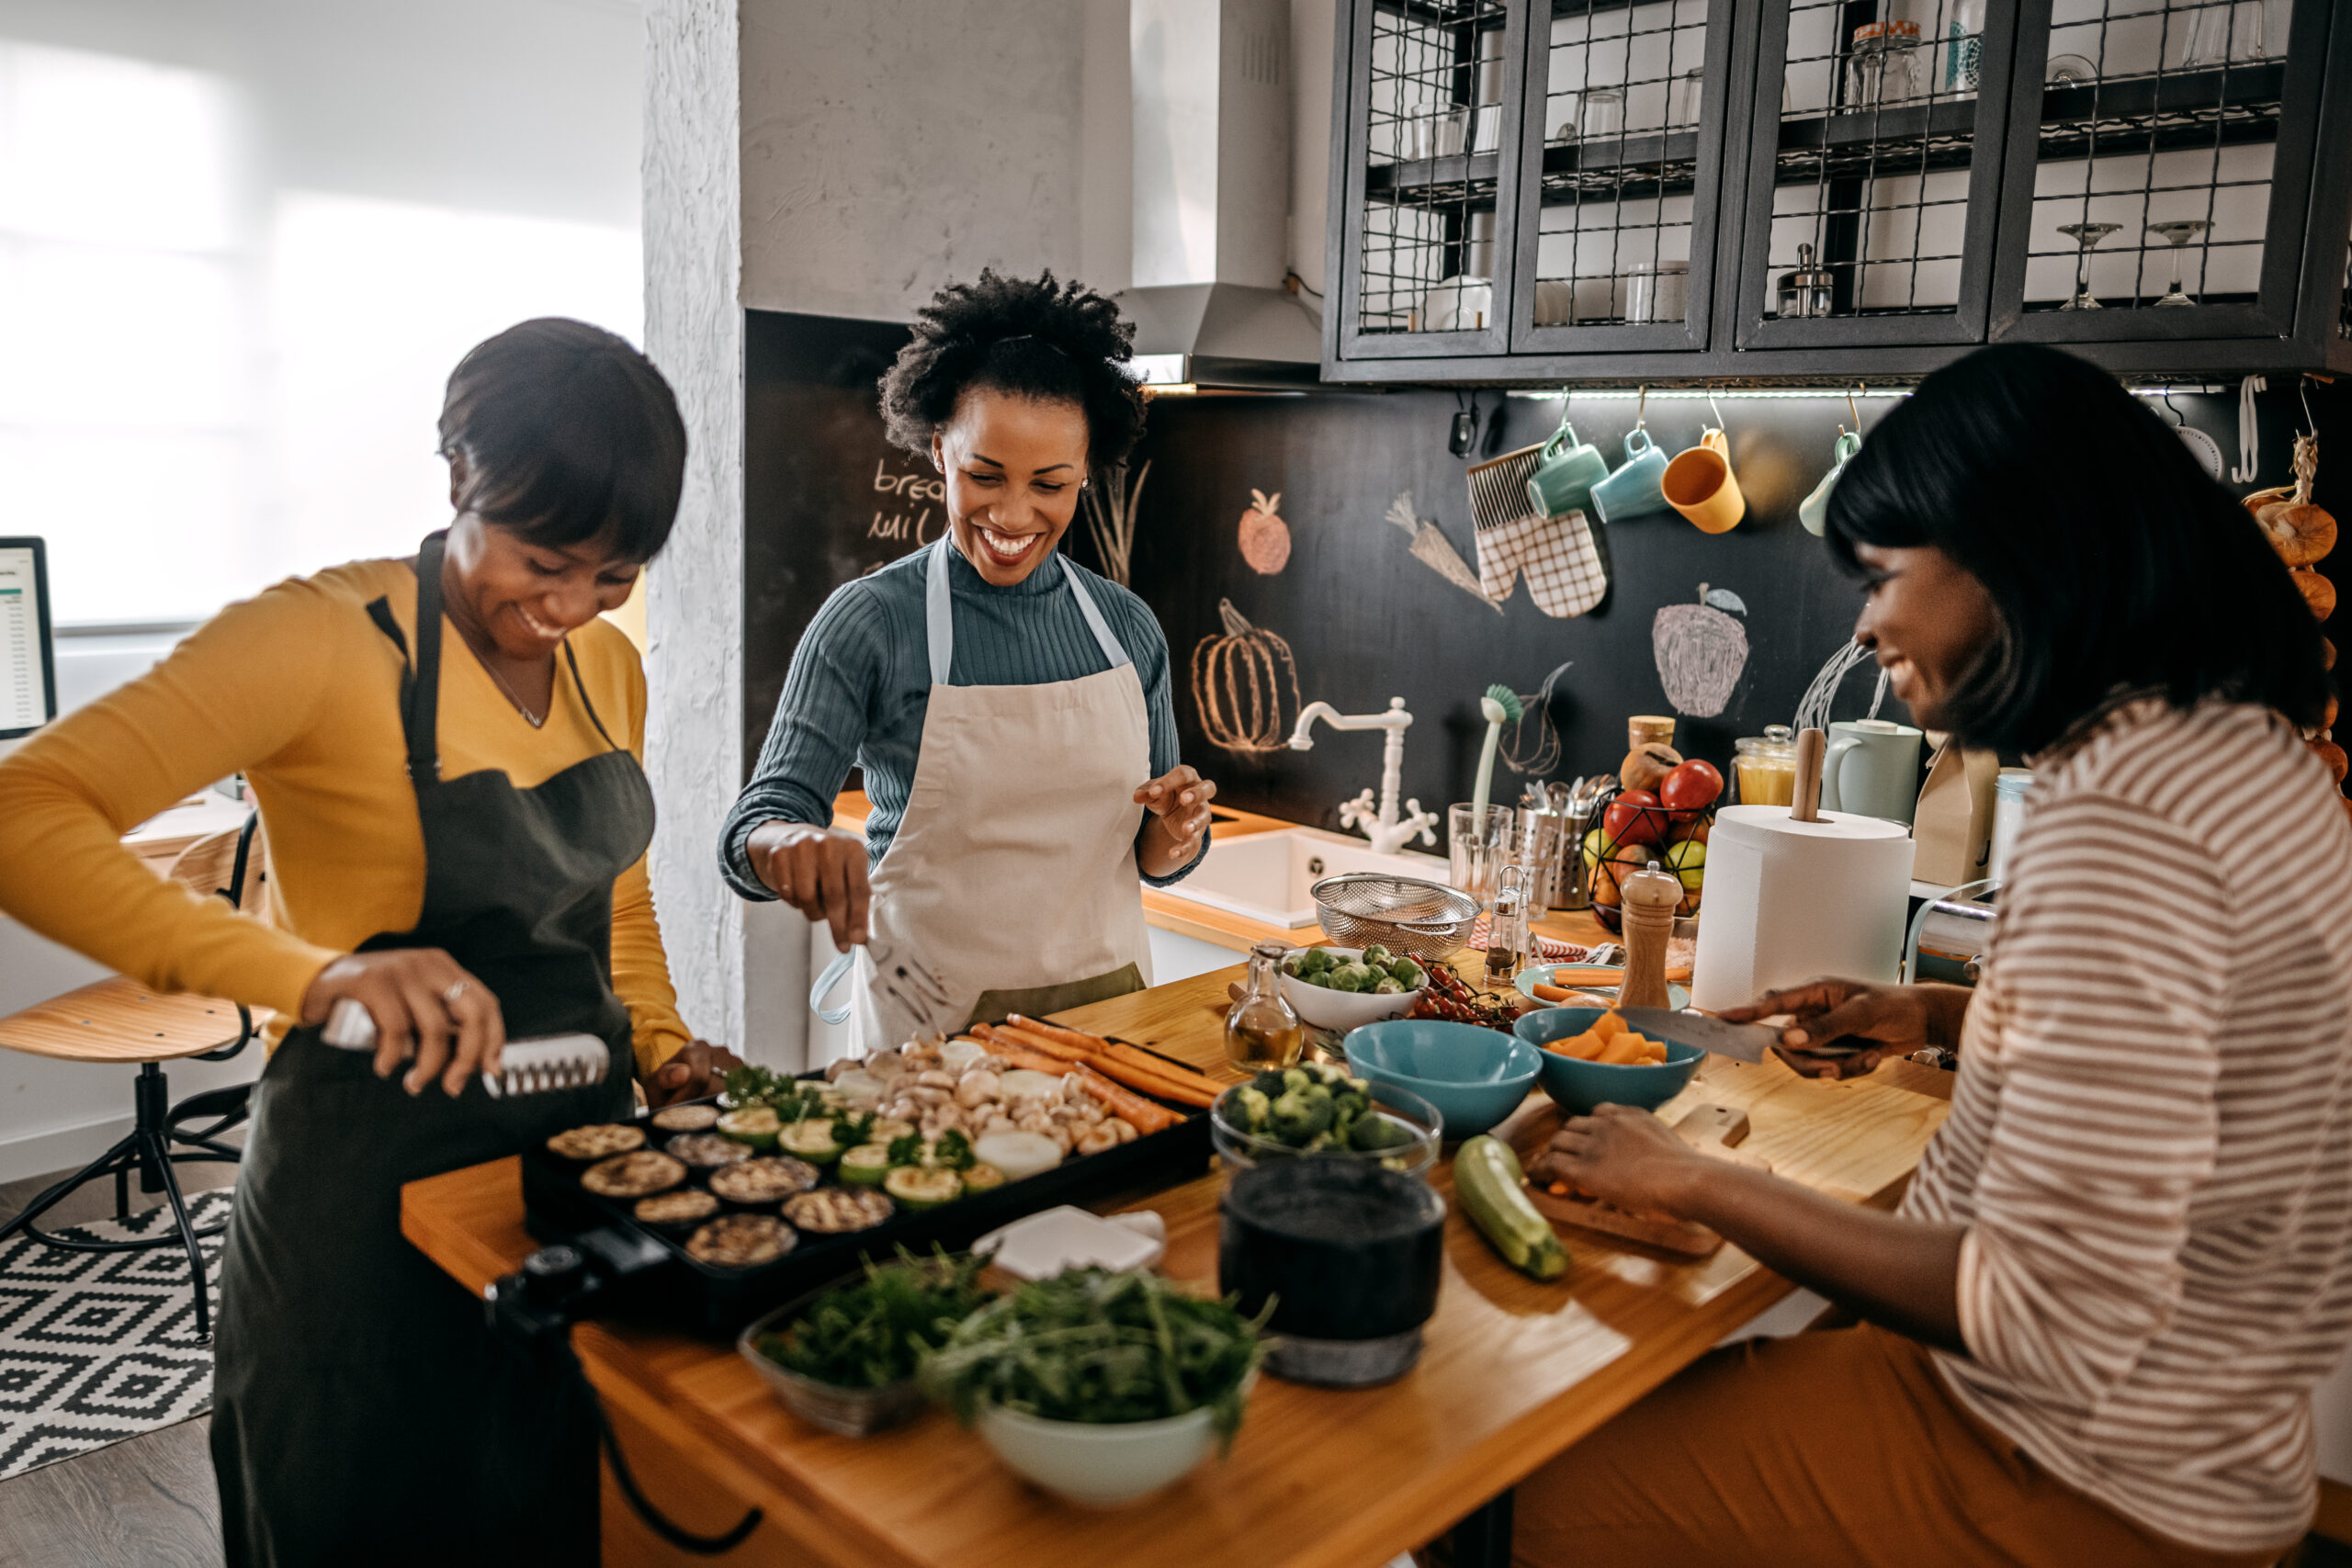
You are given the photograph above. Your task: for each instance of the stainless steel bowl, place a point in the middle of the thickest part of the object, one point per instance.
(1427, 919)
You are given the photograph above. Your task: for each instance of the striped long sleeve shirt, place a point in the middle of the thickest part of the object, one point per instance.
(2150, 1143)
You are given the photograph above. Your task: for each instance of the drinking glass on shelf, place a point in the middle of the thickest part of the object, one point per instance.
(2087, 235)
(2220, 33)
(1688, 91)
(2178, 234)
(1600, 112)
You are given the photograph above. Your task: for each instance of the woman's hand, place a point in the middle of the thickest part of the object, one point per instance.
(1623, 1156)
(424, 1006)
(1894, 1019)
(1179, 803)
(699, 1069)
(818, 870)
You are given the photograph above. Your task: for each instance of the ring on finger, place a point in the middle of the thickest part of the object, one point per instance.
(451, 996)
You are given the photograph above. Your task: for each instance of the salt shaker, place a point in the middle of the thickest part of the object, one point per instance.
(1650, 896)
(1507, 927)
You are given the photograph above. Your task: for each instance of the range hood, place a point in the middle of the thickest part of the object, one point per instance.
(1210, 85)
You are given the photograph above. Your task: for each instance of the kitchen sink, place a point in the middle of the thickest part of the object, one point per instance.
(1266, 876)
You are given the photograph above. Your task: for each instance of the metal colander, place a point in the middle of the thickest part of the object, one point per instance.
(1427, 919)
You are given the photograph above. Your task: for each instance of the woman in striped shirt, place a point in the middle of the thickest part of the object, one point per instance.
(2089, 1334)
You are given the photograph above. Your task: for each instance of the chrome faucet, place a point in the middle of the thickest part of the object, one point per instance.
(1388, 829)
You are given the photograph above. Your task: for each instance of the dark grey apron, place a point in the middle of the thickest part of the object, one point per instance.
(362, 1413)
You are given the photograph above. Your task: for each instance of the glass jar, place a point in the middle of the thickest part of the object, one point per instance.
(1865, 58)
(1263, 1030)
(1902, 68)
(1765, 767)
(1807, 292)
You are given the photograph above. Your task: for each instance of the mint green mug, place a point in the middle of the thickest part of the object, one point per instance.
(1814, 510)
(1872, 769)
(1566, 471)
(1633, 490)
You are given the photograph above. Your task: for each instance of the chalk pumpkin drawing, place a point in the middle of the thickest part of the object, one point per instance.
(1701, 651)
(1245, 685)
(1265, 537)
(1433, 549)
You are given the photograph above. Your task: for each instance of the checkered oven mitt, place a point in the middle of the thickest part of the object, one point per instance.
(1565, 574)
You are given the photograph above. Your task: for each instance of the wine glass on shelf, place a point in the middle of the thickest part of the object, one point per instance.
(2087, 235)
(2177, 233)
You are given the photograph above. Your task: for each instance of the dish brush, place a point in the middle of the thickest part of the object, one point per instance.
(1500, 705)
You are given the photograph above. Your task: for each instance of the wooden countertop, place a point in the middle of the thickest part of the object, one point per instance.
(1514, 1371)
(1183, 916)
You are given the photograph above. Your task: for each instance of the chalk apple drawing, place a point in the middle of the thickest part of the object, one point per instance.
(1265, 537)
(1700, 651)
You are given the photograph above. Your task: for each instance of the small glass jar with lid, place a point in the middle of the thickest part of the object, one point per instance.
(1765, 767)
(1807, 291)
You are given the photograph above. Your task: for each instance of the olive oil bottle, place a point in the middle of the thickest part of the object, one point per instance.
(1261, 1031)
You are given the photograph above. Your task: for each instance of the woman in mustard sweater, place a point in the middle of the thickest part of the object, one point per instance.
(444, 754)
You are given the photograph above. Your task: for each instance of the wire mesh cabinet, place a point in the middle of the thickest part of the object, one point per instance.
(1431, 102)
(2159, 180)
(1621, 169)
(1875, 172)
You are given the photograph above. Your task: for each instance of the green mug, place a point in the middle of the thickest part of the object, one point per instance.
(1566, 471)
(1813, 511)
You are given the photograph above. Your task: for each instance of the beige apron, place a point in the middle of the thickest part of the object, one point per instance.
(1010, 886)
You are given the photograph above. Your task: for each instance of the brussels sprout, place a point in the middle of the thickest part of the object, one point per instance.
(1290, 965)
(1376, 956)
(1386, 987)
(1351, 977)
(1314, 961)
(1407, 974)
(1321, 978)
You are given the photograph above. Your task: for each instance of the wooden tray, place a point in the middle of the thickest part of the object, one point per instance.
(1713, 1130)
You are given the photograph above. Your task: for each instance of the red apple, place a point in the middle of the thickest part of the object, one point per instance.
(1693, 786)
(1633, 817)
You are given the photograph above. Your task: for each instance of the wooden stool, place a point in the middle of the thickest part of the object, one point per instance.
(121, 1020)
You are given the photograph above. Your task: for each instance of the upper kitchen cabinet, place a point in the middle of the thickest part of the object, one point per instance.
(1426, 204)
(2159, 197)
(1874, 179)
(1532, 190)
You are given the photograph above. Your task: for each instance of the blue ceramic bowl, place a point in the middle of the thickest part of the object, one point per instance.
(1475, 1077)
(1579, 1086)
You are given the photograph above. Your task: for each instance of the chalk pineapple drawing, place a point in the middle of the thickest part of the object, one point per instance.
(1246, 686)
(1700, 651)
(1265, 537)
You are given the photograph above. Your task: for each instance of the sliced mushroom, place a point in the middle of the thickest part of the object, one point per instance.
(930, 1094)
(1123, 1129)
(978, 1088)
(934, 1077)
(1097, 1140)
(1035, 1121)
(1061, 1134)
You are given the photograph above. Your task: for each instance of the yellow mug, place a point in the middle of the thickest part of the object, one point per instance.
(1699, 484)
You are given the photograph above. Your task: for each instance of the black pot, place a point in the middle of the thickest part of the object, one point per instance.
(1352, 1254)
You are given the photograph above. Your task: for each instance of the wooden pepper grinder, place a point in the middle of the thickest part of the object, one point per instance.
(1650, 898)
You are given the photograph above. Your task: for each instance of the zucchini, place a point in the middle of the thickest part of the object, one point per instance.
(916, 1187)
(814, 1140)
(1487, 1184)
(981, 1178)
(867, 1164)
(755, 1125)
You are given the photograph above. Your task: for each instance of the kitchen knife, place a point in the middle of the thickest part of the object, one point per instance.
(524, 1067)
(1742, 1041)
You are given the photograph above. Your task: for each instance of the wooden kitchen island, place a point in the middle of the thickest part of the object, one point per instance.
(1514, 1371)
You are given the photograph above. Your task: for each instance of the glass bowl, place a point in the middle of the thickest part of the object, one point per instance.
(831, 1407)
(1239, 1148)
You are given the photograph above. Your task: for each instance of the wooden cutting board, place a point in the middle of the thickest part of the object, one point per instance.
(1715, 1131)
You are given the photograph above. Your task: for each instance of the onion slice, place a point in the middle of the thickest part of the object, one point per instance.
(1018, 1154)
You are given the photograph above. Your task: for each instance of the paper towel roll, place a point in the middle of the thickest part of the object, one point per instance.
(1789, 902)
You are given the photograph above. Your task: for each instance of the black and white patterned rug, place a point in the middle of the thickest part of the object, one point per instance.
(96, 1347)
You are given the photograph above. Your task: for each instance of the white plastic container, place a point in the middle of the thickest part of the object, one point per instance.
(2008, 816)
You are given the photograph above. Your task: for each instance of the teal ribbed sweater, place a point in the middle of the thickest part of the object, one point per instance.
(859, 684)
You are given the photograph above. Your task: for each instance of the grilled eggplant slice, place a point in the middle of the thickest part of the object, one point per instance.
(686, 1119)
(741, 1241)
(831, 1211)
(600, 1140)
(709, 1151)
(638, 1175)
(679, 1211)
(764, 1182)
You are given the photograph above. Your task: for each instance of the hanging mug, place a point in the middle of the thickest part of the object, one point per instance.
(1814, 510)
(1566, 471)
(1633, 490)
(1699, 484)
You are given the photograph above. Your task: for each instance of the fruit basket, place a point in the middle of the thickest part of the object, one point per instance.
(1635, 826)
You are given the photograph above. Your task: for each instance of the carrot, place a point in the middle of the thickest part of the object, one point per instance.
(1012, 1057)
(1037, 1043)
(1089, 1044)
(1152, 1083)
(1143, 1114)
(1119, 1051)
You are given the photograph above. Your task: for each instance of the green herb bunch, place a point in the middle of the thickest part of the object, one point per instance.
(874, 1332)
(792, 1099)
(1093, 1345)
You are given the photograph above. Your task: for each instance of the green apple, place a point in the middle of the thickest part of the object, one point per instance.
(1592, 848)
(1688, 861)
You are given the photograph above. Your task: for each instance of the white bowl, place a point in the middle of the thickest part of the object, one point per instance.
(1098, 1463)
(1342, 1010)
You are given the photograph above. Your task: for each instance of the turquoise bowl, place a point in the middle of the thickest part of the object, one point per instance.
(1579, 1086)
(1475, 1077)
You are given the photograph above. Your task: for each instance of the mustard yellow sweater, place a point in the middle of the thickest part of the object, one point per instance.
(298, 691)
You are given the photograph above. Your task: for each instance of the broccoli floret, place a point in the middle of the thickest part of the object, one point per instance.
(1269, 1083)
(1347, 1104)
(1322, 1141)
(1253, 1105)
(1300, 1114)
(1362, 1086)
(953, 1152)
(1372, 1134)
(907, 1149)
(1296, 1078)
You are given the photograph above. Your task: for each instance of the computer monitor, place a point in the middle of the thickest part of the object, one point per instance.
(28, 662)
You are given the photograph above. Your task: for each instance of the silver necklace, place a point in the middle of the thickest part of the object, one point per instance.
(536, 720)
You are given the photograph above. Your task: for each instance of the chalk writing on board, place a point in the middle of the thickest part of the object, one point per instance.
(916, 528)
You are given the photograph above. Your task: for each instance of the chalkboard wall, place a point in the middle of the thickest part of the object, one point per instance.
(827, 499)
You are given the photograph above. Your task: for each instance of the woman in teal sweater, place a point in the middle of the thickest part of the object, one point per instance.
(1010, 709)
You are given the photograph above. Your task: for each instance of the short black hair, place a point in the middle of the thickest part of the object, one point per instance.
(1030, 337)
(2114, 560)
(568, 434)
